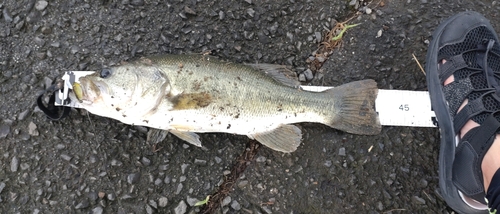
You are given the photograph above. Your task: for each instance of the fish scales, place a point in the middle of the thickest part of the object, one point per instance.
(239, 93)
(196, 93)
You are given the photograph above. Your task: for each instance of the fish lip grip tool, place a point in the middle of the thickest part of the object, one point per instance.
(62, 95)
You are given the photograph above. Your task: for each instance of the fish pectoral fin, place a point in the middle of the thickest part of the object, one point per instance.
(285, 138)
(189, 137)
(156, 136)
(279, 73)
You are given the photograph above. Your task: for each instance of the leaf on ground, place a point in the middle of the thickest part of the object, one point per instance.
(343, 31)
(199, 203)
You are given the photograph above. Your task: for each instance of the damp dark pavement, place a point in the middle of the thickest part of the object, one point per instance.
(90, 164)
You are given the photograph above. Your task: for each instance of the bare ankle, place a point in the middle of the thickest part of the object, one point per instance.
(491, 162)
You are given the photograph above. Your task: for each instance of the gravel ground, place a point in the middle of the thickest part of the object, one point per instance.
(90, 164)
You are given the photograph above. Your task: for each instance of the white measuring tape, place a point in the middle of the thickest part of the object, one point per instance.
(394, 107)
(399, 107)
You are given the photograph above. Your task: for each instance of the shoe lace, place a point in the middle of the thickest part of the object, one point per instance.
(488, 72)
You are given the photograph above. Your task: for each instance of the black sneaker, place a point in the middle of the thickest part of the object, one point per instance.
(470, 47)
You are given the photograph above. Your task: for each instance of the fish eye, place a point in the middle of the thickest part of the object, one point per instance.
(105, 73)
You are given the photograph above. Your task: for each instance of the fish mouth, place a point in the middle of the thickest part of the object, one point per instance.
(91, 89)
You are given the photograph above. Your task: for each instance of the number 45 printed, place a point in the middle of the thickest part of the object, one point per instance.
(404, 107)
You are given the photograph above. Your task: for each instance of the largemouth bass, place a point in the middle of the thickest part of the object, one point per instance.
(185, 94)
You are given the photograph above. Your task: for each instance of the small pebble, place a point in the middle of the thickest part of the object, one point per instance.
(25, 166)
(423, 183)
(226, 201)
(4, 130)
(371, 47)
(162, 202)
(242, 183)
(251, 12)
(217, 160)
(6, 15)
(184, 167)
(342, 151)
(92, 159)
(115, 162)
(302, 77)
(23, 115)
(93, 196)
(133, 178)
(221, 15)
(158, 182)
(418, 200)
(235, 205)
(55, 45)
(46, 30)
(32, 129)
(191, 201)
(181, 208)
(41, 5)
(188, 10)
(149, 209)
(14, 164)
(261, 159)
(97, 210)
(111, 196)
(179, 189)
(145, 161)
(200, 162)
(65, 157)
(74, 49)
(380, 206)
(328, 163)
(368, 11)
(82, 205)
(308, 74)
(318, 37)
(153, 204)
(137, 2)
(2, 186)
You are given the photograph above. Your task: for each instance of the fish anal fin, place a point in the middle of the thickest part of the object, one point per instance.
(285, 138)
(156, 136)
(279, 73)
(189, 137)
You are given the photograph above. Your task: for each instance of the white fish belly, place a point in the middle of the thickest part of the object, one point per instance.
(192, 121)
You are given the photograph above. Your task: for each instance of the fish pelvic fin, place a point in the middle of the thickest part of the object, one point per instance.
(156, 136)
(285, 138)
(354, 108)
(189, 137)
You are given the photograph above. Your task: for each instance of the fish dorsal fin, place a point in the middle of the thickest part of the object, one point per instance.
(285, 138)
(189, 137)
(280, 73)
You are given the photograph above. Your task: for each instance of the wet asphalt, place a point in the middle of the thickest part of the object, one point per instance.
(91, 164)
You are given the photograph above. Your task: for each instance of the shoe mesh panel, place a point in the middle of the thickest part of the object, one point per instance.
(474, 71)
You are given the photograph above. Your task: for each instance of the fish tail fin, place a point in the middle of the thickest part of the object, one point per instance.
(354, 107)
